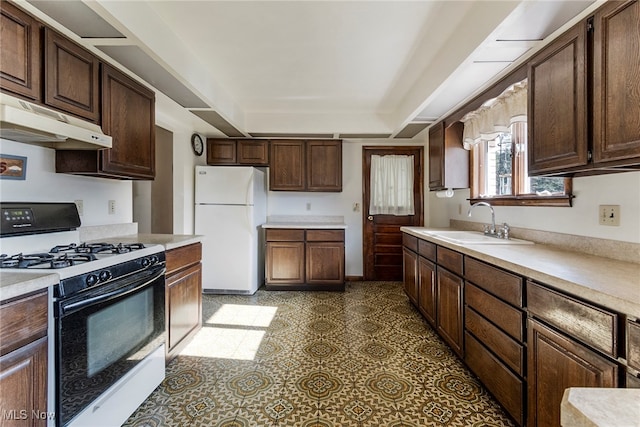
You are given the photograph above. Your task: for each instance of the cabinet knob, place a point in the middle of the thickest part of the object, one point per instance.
(370, 217)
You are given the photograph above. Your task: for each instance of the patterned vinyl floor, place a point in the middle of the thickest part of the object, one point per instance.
(364, 357)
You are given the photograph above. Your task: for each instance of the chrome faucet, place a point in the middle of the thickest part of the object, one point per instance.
(488, 230)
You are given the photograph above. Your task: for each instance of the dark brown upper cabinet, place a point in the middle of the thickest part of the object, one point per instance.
(448, 160)
(286, 168)
(616, 82)
(600, 53)
(557, 110)
(297, 165)
(324, 165)
(20, 53)
(128, 115)
(71, 77)
(244, 152)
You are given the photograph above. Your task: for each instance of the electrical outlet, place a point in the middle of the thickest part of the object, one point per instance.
(609, 215)
(80, 206)
(112, 207)
(356, 207)
(308, 206)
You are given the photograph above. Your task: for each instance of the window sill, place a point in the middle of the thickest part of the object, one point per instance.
(526, 200)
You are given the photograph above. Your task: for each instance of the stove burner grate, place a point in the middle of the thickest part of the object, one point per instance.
(94, 248)
(43, 260)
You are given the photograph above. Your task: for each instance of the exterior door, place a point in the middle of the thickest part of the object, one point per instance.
(382, 239)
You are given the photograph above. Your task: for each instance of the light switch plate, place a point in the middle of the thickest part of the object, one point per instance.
(609, 215)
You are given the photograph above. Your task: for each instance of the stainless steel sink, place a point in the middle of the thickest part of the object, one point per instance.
(472, 238)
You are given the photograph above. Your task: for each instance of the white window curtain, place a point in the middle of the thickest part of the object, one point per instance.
(496, 115)
(391, 182)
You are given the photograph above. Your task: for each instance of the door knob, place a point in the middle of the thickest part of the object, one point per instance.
(370, 217)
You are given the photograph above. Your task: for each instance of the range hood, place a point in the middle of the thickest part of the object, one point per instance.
(24, 121)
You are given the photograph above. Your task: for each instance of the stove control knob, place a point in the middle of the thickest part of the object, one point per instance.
(145, 262)
(91, 280)
(154, 259)
(105, 275)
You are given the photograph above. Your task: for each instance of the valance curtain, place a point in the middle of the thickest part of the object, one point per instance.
(391, 181)
(496, 116)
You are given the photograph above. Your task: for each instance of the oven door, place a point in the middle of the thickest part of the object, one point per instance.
(104, 333)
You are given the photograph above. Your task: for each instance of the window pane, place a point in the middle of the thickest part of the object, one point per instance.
(499, 166)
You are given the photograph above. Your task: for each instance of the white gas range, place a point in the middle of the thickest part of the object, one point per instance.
(108, 312)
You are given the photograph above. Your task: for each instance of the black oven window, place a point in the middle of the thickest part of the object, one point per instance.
(117, 329)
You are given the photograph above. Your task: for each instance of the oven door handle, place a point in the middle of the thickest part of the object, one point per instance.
(72, 307)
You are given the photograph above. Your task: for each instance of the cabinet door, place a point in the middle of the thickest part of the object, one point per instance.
(71, 77)
(254, 153)
(556, 363)
(449, 309)
(287, 169)
(23, 381)
(324, 165)
(558, 104)
(410, 274)
(128, 115)
(325, 263)
(184, 302)
(427, 289)
(436, 156)
(20, 52)
(221, 151)
(616, 83)
(285, 263)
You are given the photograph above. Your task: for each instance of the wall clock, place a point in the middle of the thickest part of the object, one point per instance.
(197, 144)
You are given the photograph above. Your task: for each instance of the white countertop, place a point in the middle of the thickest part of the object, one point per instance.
(169, 241)
(15, 284)
(600, 407)
(607, 282)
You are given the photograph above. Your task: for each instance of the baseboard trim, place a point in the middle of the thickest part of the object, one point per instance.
(353, 278)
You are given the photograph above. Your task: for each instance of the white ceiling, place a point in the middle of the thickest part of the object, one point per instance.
(301, 67)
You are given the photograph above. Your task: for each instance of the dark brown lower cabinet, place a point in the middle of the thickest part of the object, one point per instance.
(285, 263)
(299, 259)
(183, 283)
(507, 387)
(410, 274)
(427, 289)
(556, 362)
(325, 263)
(23, 360)
(633, 353)
(23, 385)
(449, 309)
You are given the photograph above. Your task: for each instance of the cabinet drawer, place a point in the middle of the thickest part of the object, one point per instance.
(427, 250)
(505, 386)
(633, 344)
(411, 242)
(451, 260)
(592, 325)
(23, 321)
(325, 235)
(501, 314)
(283, 235)
(500, 283)
(508, 350)
(182, 257)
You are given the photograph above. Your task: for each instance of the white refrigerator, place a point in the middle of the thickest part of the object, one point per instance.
(230, 207)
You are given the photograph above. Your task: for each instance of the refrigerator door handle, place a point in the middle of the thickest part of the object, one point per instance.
(246, 200)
